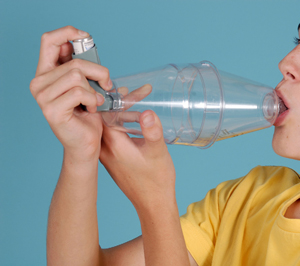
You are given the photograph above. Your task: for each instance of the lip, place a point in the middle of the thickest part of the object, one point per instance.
(280, 119)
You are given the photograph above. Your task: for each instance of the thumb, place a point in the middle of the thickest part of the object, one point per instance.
(152, 131)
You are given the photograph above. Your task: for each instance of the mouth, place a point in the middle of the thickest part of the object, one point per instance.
(282, 107)
(283, 110)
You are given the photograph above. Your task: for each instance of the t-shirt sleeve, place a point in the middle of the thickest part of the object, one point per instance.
(201, 222)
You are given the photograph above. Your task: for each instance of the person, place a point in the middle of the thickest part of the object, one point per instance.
(253, 220)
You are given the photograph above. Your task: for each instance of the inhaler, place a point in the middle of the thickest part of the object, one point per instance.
(196, 103)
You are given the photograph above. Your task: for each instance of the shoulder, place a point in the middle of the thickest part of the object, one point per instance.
(268, 180)
(272, 171)
(261, 185)
(270, 174)
(261, 180)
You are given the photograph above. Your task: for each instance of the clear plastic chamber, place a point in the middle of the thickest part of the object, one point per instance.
(196, 103)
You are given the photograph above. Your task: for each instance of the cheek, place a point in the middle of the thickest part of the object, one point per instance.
(286, 139)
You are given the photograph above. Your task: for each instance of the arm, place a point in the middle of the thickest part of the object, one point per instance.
(72, 236)
(59, 87)
(147, 177)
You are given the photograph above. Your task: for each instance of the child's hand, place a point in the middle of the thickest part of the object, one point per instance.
(61, 85)
(141, 167)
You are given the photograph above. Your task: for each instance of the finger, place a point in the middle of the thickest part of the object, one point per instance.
(123, 91)
(153, 133)
(73, 78)
(115, 138)
(61, 109)
(137, 95)
(128, 117)
(51, 45)
(90, 70)
(120, 119)
(111, 142)
(65, 53)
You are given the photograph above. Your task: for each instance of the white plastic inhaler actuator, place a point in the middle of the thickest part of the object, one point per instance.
(196, 103)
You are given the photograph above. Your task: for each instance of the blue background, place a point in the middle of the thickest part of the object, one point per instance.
(247, 38)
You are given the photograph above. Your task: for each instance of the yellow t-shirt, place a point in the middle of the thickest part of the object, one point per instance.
(241, 222)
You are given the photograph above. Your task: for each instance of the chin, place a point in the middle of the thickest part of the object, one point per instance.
(285, 145)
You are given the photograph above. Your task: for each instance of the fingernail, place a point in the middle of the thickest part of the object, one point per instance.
(83, 33)
(100, 98)
(109, 84)
(149, 120)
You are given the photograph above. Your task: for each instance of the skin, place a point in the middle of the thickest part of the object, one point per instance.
(286, 139)
(147, 176)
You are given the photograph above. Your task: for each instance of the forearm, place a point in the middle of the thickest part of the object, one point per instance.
(162, 235)
(72, 237)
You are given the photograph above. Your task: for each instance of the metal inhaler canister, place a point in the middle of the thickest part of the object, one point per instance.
(82, 45)
(86, 49)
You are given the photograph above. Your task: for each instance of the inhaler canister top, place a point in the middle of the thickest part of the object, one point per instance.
(82, 45)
